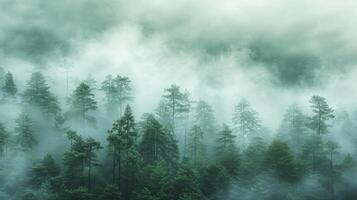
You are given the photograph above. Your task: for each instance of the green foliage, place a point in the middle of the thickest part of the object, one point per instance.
(204, 118)
(37, 93)
(153, 145)
(245, 119)
(9, 88)
(82, 102)
(44, 170)
(196, 148)
(321, 114)
(4, 139)
(25, 138)
(280, 159)
(118, 92)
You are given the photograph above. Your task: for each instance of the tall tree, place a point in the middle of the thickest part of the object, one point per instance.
(204, 118)
(44, 169)
(280, 159)
(4, 139)
(245, 119)
(82, 102)
(118, 92)
(321, 114)
(25, 134)
(91, 146)
(226, 150)
(74, 161)
(293, 127)
(2, 77)
(122, 138)
(9, 88)
(175, 103)
(331, 148)
(153, 144)
(196, 148)
(37, 93)
(124, 90)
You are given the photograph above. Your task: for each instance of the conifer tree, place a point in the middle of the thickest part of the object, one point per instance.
(153, 144)
(204, 118)
(4, 139)
(175, 103)
(321, 114)
(82, 102)
(9, 88)
(245, 120)
(118, 92)
(196, 148)
(25, 134)
(44, 170)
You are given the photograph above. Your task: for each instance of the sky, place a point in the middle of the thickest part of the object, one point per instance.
(272, 52)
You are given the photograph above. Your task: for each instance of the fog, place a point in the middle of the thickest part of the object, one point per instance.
(273, 53)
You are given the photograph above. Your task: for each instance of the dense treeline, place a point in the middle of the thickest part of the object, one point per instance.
(179, 151)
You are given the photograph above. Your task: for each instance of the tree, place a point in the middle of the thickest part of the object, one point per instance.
(204, 118)
(74, 161)
(25, 134)
(196, 148)
(281, 161)
(331, 148)
(91, 146)
(118, 91)
(153, 144)
(121, 138)
(186, 183)
(38, 94)
(9, 88)
(174, 103)
(321, 114)
(226, 140)
(226, 150)
(82, 102)
(4, 139)
(293, 127)
(44, 170)
(2, 77)
(245, 119)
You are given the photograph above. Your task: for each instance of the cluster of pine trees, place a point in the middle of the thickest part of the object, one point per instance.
(177, 152)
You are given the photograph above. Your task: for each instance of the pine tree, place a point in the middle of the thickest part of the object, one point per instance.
(2, 77)
(25, 134)
(118, 92)
(175, 103)
(153, 144)
(44, 170)
(196, 148)
(4, 140)
(245, 120)
(226, 151)
(122, 139)
(293, 128)
(124, 91)
(74, 161)
(9, 88)
(82, 102)
(91, 146)
(38, 94)
(281, 161)
(322, 113)
(204, 118)
(331, 148)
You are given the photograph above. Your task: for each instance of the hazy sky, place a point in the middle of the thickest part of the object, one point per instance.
(273, 52)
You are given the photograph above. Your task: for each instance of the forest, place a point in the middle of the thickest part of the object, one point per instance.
(94, 148)
(178, 100)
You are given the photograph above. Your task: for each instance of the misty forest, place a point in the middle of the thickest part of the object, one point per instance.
(178, 100)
